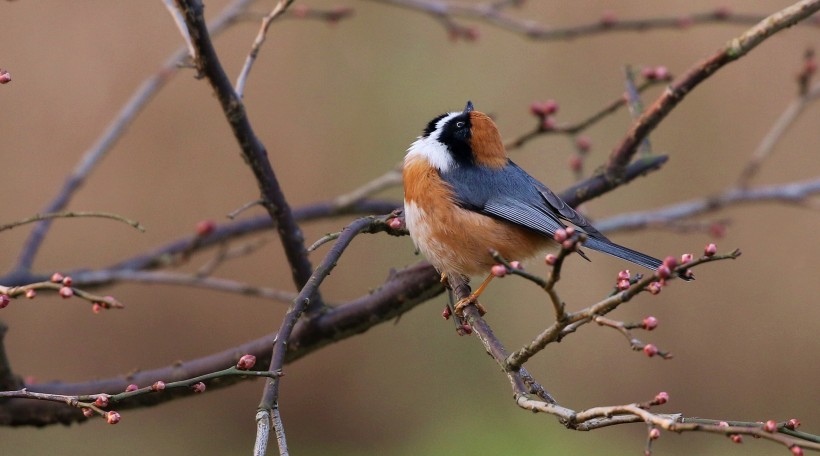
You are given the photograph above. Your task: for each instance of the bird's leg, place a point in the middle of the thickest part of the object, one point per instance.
(473, 298)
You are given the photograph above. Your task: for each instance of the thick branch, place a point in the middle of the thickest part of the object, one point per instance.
(254, 152)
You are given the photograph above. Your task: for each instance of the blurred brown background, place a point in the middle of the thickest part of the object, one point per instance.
(337, 105)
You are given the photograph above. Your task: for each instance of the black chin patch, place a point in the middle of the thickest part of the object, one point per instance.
(455, 134)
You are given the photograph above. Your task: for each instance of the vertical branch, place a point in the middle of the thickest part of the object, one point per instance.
(254, 152)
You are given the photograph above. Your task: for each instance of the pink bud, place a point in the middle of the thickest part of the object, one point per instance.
(550, 259)
(66, 292)
(112, 417)
(246, 362)
(662, 398)
(576, 163)
(101, 400)
(608, 19)
(159, 385)
(648, 73)
(649, 323)
(686, 257)
(56, 277)
(624, 274)
(560, 235)
(654, 287)
(498, 270)
(67, 281)
(662, 73)
(792, 424)
(623, 284)
(87, 412)
(198, 387)
(685, 22)
(543, 108)
(569, 244)
(96, 307)
(654, 433)
(717, 230)
(516, 265)
(300, 10)
(722, 12)
(548, 123)
(5, 77)
(710, 250)
(205, 227)
(796, 450)
(446, 313)
(723, 424)
(570, 230)
(736, 438)
(394, 223)
(131, 387)
(670, 262)
(663, 272)
(650, 350)
(31, 293)
(770, 426)
(583, 143)
(467, 329)
(4, 301)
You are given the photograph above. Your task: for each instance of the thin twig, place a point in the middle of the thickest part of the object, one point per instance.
(113, 132)
(775, 134)
(242, 79)
(72, 214)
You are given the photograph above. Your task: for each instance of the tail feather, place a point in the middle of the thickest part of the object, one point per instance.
(625, 253)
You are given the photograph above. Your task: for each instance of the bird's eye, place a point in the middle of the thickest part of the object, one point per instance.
(459, 124)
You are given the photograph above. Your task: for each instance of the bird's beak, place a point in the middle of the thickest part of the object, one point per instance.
(469, 107)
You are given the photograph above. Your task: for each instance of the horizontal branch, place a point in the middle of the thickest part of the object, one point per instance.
(402, 291)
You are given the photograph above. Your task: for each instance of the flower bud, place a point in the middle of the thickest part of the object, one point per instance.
(198, 387)
(649, 323)
(131, 387)
(498, 270)
(710, 250)
(66, 292)
(662, 398)
(246, 362)
(205, 227)
(112, 417)
(101, 400)
(650, 350)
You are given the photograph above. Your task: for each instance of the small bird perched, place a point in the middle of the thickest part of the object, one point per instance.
(463, 198)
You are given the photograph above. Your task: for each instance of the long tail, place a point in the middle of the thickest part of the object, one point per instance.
(625, 253)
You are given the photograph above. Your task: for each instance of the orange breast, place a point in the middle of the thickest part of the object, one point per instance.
(457, 240)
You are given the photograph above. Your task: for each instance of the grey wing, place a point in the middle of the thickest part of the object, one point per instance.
(507, 193)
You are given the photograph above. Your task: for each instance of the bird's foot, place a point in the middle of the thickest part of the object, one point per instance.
(472, 299)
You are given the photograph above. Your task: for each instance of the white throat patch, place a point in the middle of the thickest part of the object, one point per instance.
(431, 149)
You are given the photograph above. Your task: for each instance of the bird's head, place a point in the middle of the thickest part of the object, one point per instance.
(465, 138)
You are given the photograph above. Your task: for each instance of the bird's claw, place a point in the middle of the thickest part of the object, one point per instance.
(464, 302)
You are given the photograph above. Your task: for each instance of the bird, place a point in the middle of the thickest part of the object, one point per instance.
(464, 198)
